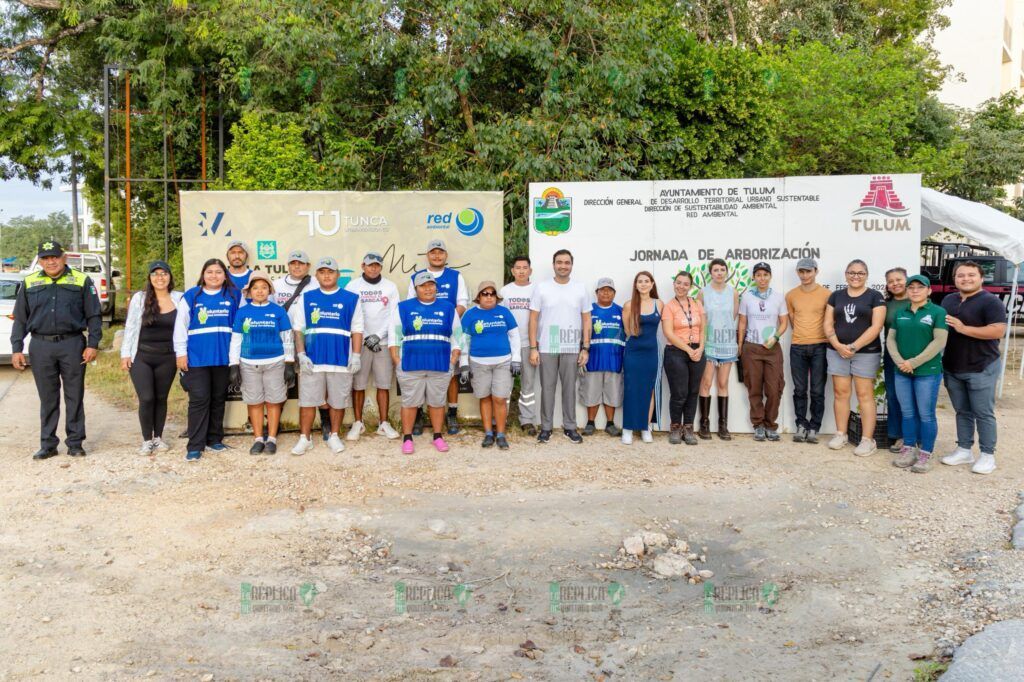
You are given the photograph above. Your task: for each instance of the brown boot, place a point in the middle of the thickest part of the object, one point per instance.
(675, 434)
(688, 436)
(704, 403)
(723, 418)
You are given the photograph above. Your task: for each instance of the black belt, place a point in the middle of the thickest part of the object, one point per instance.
(57, 338)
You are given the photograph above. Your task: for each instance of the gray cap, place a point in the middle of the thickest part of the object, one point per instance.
(807, 264)
(373, 257)
(423, 277)
(327, 262)
(299, 255)
(436, 244)
(238, 242)
(605, 282)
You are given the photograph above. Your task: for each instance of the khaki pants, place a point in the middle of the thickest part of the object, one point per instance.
(764, 378)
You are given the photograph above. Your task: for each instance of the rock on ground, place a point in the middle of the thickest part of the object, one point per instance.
(995, 653)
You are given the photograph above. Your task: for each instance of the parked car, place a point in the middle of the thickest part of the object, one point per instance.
(939, 261)
(95, 266)
(9, 283)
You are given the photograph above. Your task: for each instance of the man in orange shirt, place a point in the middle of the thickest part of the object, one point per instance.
(806, 304)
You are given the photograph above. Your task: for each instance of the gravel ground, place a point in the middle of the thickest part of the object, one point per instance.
(120, 565)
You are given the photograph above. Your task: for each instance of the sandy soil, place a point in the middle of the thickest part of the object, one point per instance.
(122, 566)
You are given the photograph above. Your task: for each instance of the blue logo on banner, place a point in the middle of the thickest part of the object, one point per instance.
(469, 221)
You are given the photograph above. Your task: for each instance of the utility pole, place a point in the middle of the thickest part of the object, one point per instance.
(75, 231)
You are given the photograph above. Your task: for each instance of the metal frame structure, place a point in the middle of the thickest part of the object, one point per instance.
(127, 179)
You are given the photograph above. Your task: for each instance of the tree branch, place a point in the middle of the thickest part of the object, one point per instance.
(40, 76)
(41, 4)
(50, 42)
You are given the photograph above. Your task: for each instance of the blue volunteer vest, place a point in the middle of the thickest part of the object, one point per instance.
(212, 317)
(261, 327)
(607, 339)
(426, 335)
(447, 284)
(328, 318)
(241, 281)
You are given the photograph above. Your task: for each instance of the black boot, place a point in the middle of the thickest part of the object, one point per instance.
(704, 403)
(723, 418)
(325, 423)
(417, 426)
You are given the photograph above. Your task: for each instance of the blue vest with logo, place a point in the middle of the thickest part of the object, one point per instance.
(261, 327)
(328, 318)
(447, 284)
(607, 339)
(426, 335)
(209, 328)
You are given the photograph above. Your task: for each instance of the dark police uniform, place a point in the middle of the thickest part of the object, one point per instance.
(57, 312)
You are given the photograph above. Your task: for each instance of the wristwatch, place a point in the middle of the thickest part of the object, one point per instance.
(534, 347)
(586, 348)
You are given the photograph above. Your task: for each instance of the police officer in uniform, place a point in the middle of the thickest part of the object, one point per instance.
(56, 305)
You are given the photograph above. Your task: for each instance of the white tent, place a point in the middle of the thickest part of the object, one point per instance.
(986, 225)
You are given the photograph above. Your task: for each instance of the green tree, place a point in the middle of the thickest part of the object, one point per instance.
(20, 235)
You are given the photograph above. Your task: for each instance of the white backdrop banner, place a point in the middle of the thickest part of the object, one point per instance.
(617, 229)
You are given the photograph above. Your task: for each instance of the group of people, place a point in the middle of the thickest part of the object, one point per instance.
(239, 329)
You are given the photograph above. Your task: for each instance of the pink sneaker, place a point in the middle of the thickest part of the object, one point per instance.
(408, 447)
(440, 445)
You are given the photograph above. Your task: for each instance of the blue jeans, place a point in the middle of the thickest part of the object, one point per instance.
(917, 397)
(894, 420)
(973, 395)
(807, 367)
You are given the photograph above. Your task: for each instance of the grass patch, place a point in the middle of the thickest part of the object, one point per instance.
(929, 671)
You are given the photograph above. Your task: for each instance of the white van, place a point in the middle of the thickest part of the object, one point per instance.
(93, 265)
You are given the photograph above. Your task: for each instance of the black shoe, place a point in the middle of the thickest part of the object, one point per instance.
(502, 443)
(452, 420)
(529, 430)
(43, 453)
(589, 429)
(573, 435)
(257, 448)
(613, 430)
(488, 440)
(270, 448)
(76, 451)
(417, 426)
(543, 436)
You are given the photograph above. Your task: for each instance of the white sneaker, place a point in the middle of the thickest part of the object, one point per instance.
(986, 464)
(838, 441)
(335, 444)
(146, 448)
(866, 447)
(159, 445)
(627, 436)
(646, 436)
(959, 456)
(387, 430)
(302, 446)
(357, 430)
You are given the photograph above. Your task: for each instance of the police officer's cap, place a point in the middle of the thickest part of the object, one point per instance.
(50, 247)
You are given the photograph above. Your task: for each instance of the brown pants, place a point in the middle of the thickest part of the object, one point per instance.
(764, 378)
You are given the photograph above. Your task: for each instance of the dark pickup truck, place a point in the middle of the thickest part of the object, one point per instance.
(939, 259)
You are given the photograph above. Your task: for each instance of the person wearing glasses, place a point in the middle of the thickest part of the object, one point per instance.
(853, 322)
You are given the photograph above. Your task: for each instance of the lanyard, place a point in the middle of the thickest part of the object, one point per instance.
(689, 318)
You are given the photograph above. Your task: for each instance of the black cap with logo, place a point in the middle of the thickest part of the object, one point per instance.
(50, 247)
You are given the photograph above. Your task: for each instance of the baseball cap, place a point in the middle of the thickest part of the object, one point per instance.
(605, 282)
(423, 277)
(50, 247)
(257, 275)
(327, 262)
(373, 257)
(159, 265)
(761, 266)
(486, 284)
(920, 279)
(299, 255)
(436, 244)
(807, 264)
(238, 242)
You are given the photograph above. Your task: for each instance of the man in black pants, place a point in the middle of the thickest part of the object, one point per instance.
(56, 305)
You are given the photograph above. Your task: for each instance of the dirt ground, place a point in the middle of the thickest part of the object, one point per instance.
(123, 566)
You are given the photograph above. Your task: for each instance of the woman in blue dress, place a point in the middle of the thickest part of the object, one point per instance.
(641, 317)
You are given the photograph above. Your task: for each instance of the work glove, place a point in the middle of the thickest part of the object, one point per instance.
(289, 374)
(355, 363)
(305, 364)
(517, 368)
(234, 378)
(465, 375)
(372, 342)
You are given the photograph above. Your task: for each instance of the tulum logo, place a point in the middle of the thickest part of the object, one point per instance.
(881, 209)
(552, 212)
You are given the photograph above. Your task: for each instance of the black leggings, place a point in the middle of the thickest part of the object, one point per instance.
(684, 377)
(152, 374)
(207, 392)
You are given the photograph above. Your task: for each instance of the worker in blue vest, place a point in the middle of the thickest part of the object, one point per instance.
(451, 287)
(56, 305)
(238, 265)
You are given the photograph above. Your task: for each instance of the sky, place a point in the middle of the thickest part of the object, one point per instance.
(21, 197)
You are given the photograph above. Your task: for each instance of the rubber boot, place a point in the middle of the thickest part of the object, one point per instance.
(723, 418)
(704, 403)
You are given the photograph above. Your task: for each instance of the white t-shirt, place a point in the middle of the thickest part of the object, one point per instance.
(559, 326)
(762, 314)
(378, 300)
(517, 299)
(284, 287)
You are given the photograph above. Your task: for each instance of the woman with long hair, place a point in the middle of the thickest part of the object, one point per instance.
(895, 300)
(147, 352)
(683, 323)
(641, 317)
(721, 305)
(202, 343)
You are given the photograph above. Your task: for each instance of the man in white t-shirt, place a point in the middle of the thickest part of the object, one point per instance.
(559, 343)
(378, 298)
(763, 319)
(516, 297)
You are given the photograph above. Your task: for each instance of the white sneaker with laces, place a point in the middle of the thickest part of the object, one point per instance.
(646, 436)
(838, 441)
(302, 446)
(159, 445)
(146, 448)
(959, 456)
(866, 447)
(387, 430)
(335, 444)
(627, 436)
(355, 431)
(986, 464)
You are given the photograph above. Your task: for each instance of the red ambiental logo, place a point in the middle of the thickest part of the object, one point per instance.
(881, 209)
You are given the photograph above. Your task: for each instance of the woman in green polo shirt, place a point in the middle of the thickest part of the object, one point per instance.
(915, 343)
